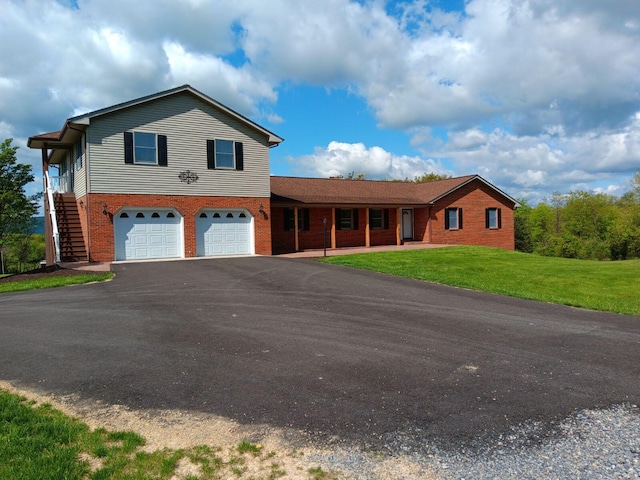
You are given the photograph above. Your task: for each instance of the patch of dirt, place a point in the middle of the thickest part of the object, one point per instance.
(50, 271)
(286, 451)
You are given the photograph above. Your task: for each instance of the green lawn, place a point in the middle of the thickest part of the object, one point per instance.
(51, 282)
(606, 286)
(39, 442)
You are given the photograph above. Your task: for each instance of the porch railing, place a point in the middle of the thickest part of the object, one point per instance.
(52, 213)
(59, 184)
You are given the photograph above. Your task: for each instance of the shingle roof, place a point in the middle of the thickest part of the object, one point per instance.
(361, 192)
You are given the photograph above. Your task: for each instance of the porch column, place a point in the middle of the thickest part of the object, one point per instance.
(333, 228)
(399, 226)
(367, 235)
(295, 228)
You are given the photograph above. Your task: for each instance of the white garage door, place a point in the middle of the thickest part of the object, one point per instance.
(224, 232)
(145, 234)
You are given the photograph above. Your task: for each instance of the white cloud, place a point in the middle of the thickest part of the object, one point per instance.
(536, 95)
(376, 163)
(233, 86)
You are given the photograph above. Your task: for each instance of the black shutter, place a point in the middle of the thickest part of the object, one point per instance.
(385, 213)
(305, 219)
(128, 147)
(499, 218)
(338, 219)
(486, 218)
(288, 213)
(446, 219)
(355, 219)
(239, 156)
(162, 150)
(460, 218)
(211, 161)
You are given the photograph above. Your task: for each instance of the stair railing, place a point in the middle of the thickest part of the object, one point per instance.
(52, 215)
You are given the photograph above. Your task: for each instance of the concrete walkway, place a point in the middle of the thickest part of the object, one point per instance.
(87, 266)
(352, 250)
(106, 266)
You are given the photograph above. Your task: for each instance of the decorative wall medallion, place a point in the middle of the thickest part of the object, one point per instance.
(188, 176)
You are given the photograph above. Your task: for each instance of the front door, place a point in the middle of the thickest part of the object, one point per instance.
(407, 223)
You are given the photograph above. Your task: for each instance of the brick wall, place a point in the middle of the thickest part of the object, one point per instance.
(473, 198)
(100, 227)
(83, 214)
(282, 241)
(312, 239)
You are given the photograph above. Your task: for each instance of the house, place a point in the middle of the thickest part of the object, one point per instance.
(455, 211)
(177, 174)
(170, 175)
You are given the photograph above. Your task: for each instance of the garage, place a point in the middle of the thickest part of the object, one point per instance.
(224, 232)
(142, 234)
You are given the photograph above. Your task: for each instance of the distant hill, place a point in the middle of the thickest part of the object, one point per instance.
(38, 225)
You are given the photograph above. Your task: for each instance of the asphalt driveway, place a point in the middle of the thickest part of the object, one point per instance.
(335, 352)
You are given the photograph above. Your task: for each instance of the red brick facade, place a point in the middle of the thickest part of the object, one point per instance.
(473, 198)
(428, 223)
(99, 236)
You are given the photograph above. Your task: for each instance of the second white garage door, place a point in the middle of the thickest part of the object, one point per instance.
(224, 232)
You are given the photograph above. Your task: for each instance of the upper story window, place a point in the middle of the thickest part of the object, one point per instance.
(493, 218)
(145, 148)
(453, 218)
(225, 155)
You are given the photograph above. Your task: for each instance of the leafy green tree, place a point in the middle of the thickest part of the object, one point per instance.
(522, 227)
(429, 177)
(23, 252)
(16, 208)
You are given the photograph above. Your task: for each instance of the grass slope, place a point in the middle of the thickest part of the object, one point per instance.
(606, 286)
(51, 282)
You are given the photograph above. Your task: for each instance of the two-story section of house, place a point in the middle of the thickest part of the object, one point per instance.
(175, 174)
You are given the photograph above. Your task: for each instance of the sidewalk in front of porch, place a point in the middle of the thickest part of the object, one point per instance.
(352, 250)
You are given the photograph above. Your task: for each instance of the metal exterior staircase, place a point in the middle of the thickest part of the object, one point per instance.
(72, 247)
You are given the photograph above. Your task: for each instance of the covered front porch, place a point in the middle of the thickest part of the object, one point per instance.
(297, 228)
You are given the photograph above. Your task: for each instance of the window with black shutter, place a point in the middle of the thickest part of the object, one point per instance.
(453, 218)
(225, 155)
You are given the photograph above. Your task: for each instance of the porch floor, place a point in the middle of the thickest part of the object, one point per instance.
(352, 250)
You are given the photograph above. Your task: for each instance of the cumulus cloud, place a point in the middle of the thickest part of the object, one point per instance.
(536, 95)
(340, 158)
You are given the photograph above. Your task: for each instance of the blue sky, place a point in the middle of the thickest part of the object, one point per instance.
(537, 96)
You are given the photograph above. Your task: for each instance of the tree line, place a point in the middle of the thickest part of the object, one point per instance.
(19, 250)
(584, 225)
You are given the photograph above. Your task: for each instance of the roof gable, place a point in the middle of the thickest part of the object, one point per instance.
(72, 124)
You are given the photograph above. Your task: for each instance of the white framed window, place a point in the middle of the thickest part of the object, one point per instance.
(224, 154)
(145, 148)
(493, 218)
(453, 219)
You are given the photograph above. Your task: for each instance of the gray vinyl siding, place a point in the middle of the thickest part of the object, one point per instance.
(188, 123)
(80, 178)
